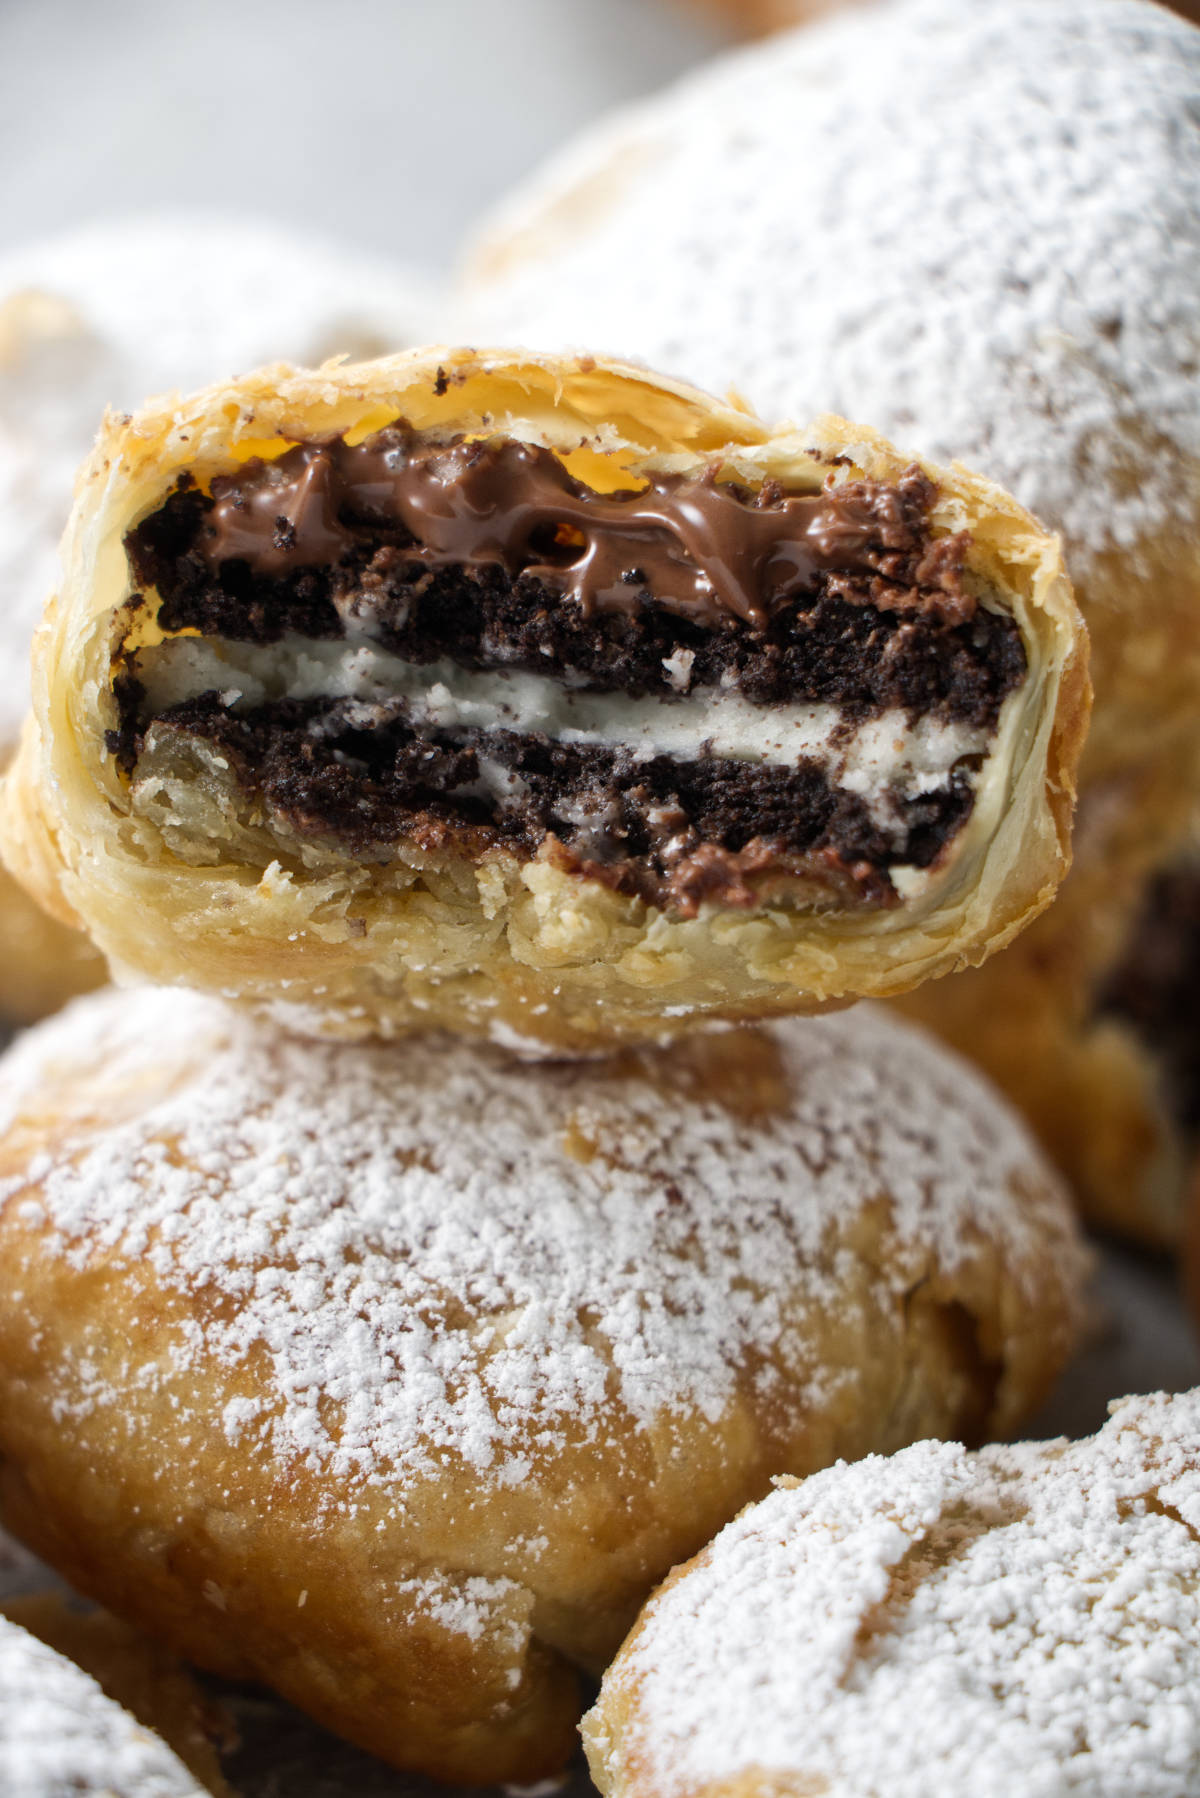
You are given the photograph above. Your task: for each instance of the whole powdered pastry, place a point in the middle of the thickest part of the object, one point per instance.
(396, 1376)
(61, 1737)
(1023, 1619)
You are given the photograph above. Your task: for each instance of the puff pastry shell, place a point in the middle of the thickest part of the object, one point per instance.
(517, 948)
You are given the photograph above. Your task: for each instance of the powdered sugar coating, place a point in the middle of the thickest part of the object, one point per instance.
(973, 223)
(451, 1258)
(114, 313)
(1026, 1619)
(61, 1737)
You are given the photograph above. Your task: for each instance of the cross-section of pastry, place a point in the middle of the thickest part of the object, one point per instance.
(77, 334)
(1029, 307)
(1023, 1619)
(395, 1375)
(61, 1736)
(542, 696)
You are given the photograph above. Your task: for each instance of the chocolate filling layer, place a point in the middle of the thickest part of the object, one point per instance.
(854, 604)
(1156, 988)
(491, 556)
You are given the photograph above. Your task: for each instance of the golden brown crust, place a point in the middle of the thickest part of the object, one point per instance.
(396, 1376)
(1090, 1088)
(505, 945)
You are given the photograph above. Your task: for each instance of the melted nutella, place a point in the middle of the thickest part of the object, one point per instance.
(691, 544)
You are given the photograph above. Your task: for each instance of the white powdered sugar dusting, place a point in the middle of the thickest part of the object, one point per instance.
(1025, 1619)
(117, 312)
(60, 1737)
(445, 1255)
(973, 224)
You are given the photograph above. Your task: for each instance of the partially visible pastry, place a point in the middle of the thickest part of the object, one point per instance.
(1091, 1023)
(804, 224)
(395, 1376)
(542, 696)
(82, 329)
(61, 1736)
(1024, 1619)
(133, 1672)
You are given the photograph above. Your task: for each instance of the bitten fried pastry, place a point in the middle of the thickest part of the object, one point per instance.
(544, 697)
(61, 1737)
(395, 1375)
(1023, 1619)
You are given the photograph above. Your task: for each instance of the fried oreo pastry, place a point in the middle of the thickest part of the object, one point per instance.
(542, 697)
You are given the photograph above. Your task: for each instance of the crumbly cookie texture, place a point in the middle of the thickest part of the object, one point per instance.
(60, 1735)
(396, 1376)
(1024, 1618)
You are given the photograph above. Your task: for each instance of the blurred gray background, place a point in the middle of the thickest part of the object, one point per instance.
(390, 124)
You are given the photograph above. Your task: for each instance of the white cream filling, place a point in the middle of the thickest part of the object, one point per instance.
(888, 758)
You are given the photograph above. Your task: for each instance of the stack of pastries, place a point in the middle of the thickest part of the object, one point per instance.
(495, 778)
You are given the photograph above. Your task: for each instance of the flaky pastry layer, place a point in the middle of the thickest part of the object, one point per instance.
(495, 942)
